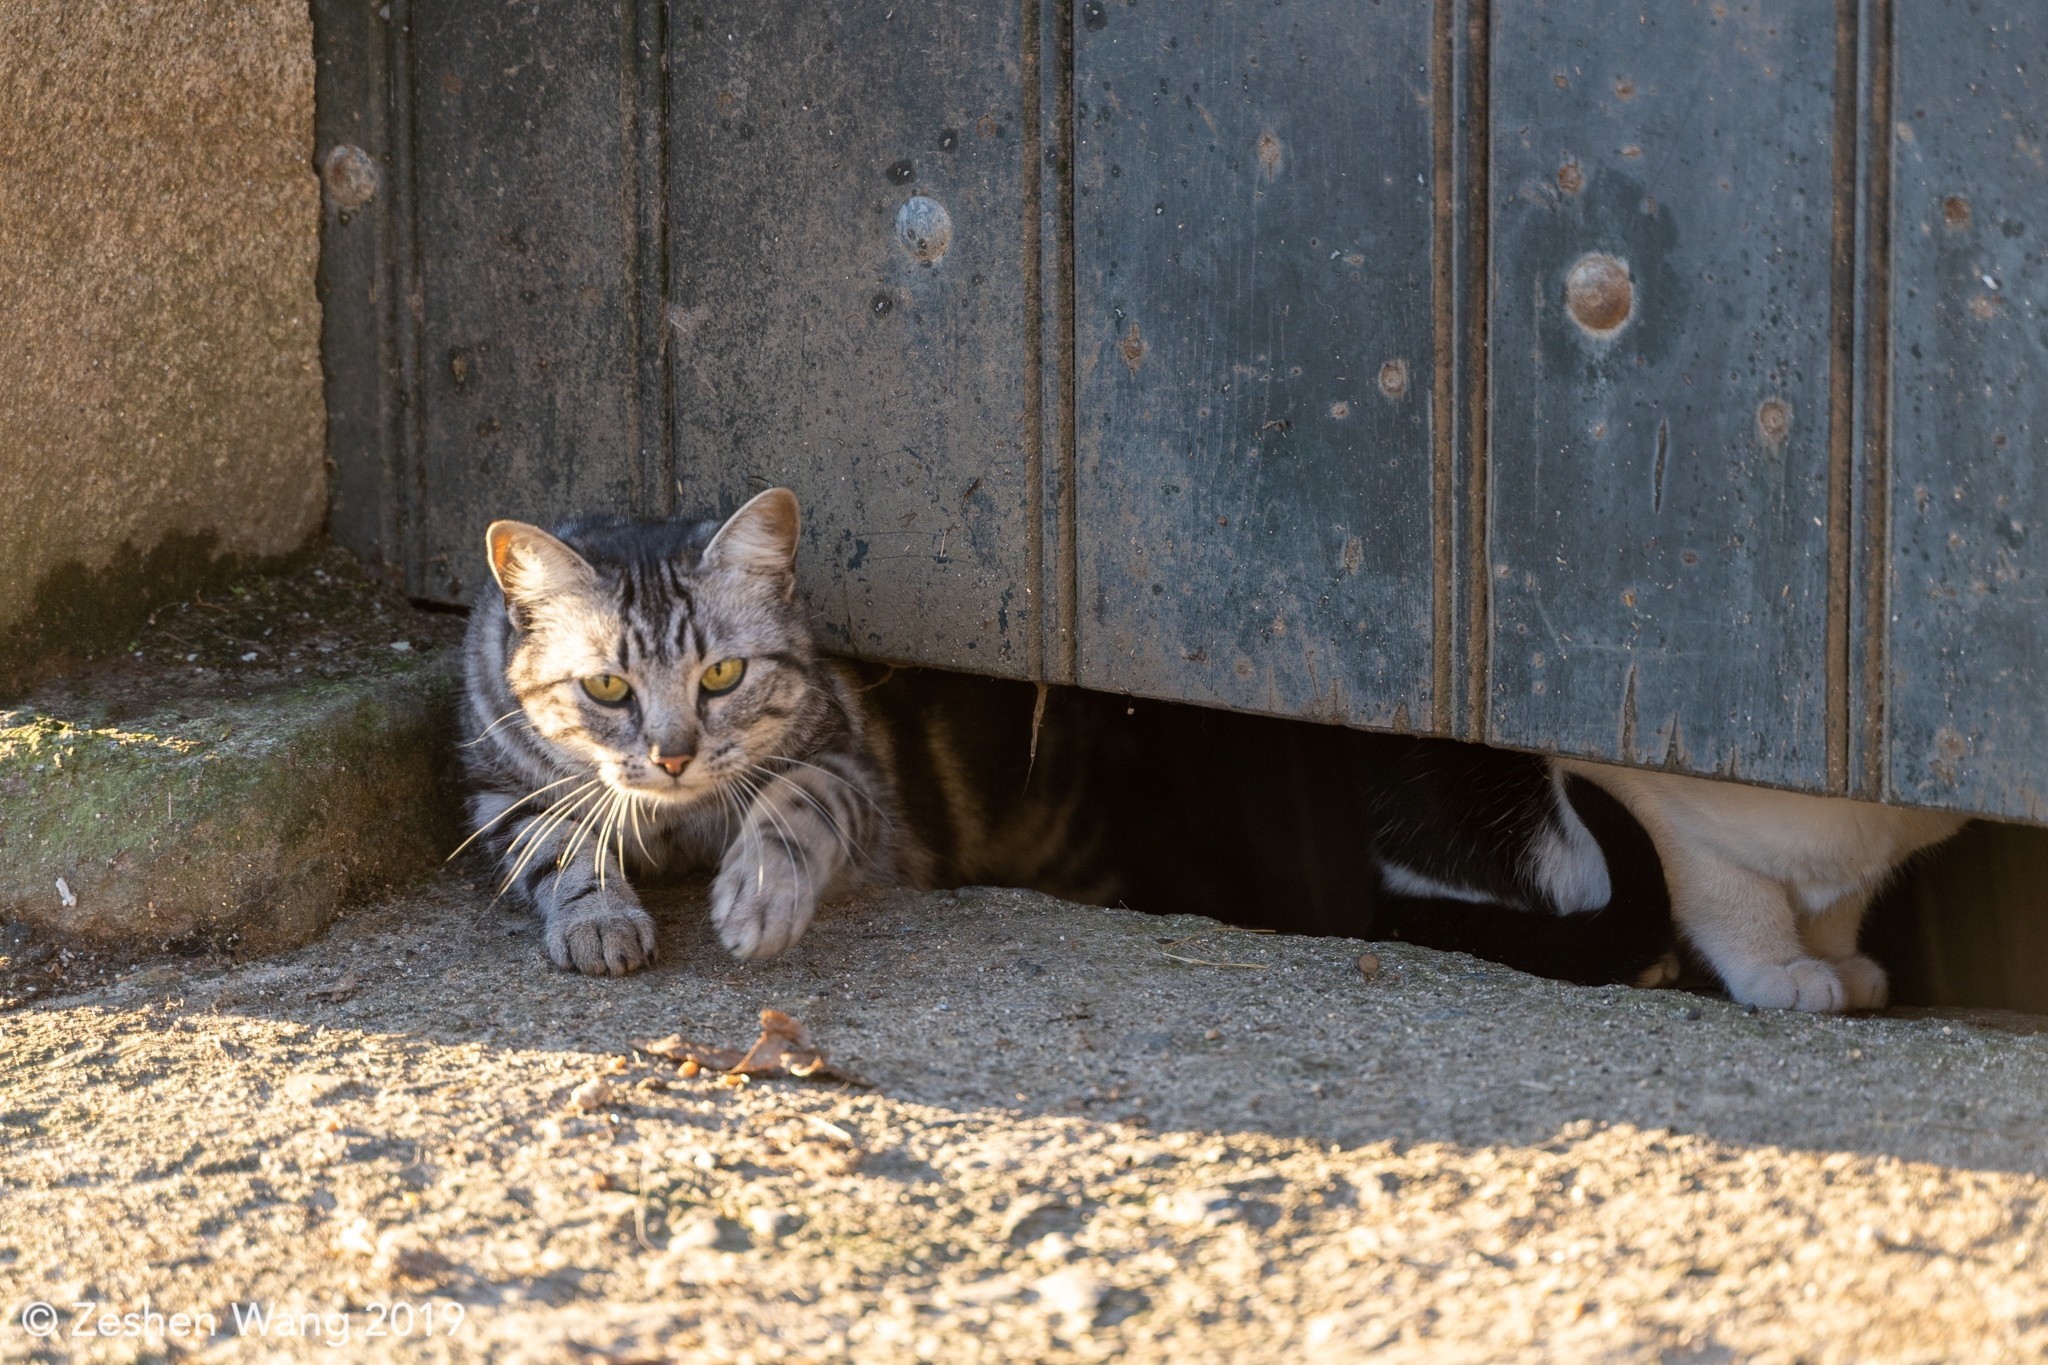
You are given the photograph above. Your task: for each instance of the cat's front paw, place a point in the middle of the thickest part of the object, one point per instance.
(1805, 983)
(1659, 974)
(760, 907)
(603, 934)
(1864, 984)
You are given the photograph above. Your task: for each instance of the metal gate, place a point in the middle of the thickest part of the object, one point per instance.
(1654, 383)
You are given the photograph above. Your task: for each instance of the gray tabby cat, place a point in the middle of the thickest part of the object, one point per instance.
(646, 695)
(653, 698)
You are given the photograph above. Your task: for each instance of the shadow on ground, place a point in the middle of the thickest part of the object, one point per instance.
(1076, 1145)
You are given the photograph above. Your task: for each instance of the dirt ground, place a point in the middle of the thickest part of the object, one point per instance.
(1087, 1134)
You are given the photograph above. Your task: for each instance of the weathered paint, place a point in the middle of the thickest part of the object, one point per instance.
(1969, 491)
(1253, 234)
(525, 363)
(824, 337)
(1161, 348)
(1660, 382)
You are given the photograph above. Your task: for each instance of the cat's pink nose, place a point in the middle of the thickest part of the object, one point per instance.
(672, 764)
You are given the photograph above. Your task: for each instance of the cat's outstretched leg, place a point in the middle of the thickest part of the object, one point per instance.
(807, 825)
(1747, 928)
(559, 861)
(1831, 934)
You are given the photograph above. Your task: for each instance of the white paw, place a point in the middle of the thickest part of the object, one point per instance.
(1863, 983)
(761, 905)
(604, 934)
(1805, 983)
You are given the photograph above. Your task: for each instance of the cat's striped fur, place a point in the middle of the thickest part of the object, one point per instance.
(781, 782)
(609, 739)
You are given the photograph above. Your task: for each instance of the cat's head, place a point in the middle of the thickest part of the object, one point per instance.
(668, 657)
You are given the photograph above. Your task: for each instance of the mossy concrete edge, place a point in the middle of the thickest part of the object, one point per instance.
(246, 825)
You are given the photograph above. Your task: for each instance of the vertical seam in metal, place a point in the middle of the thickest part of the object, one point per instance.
(1841, 399)
(1478, 374)
(391, 552)
(1877, 397)
(1063, 133)
(629, 209)
(647, 151)
(1443, 422)
(1033, 151)
(409, 305)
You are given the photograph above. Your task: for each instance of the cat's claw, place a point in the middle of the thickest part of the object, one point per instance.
(600, 937)
(759, 911)
(1805, 983)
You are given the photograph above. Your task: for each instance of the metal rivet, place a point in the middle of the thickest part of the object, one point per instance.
(901, 172)
(1599, 293)
(350, 176)
(1094, 16)
(880, 304)
(1773, 420)
(1394, 378)
(924, 228)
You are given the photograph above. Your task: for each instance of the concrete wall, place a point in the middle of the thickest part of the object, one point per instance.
(160, 405)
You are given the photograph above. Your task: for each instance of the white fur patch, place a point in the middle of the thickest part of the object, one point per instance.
(1403, 881)
(1567, 861)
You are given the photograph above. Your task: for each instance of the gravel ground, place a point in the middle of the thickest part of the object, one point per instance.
(1075, 1145)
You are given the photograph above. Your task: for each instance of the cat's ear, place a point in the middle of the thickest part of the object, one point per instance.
(760, 538)
(531, 566)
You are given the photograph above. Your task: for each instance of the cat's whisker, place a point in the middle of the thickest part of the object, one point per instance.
(790, 843)
(851, 850)
(526, 858)
(584, 825)
(484, 828)
(470, 744)
(760, 844)
(633, 812)
(611, 820)
(852, 787)
(535, 834)
(553, 815)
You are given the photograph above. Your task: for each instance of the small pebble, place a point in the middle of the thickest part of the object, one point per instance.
(401, 646)
(1212, 1035)
(591, 1096)
(769, 1222)
(1369, 965)
(696, 1232)
(1073, 1294)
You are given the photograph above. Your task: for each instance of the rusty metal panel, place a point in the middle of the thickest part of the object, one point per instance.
(849, 314)
(1255, 355)
(1662, 257)
(1968, 649)
(526, 238)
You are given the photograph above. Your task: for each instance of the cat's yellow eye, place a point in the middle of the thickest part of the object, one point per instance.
(724, 675)
(609, 688)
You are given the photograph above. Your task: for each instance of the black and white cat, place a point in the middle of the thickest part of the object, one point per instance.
(646, 694)
(1771, 887)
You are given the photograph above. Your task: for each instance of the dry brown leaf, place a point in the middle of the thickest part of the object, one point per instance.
(785, 1048)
